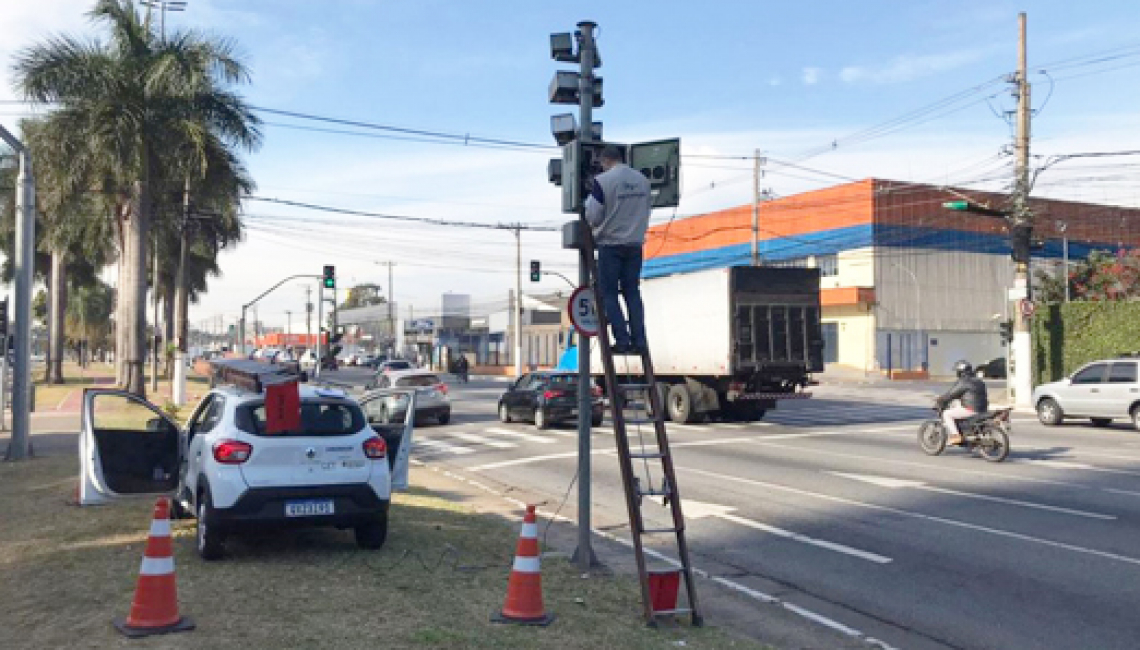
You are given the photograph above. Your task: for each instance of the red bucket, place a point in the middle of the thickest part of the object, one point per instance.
(663, 586)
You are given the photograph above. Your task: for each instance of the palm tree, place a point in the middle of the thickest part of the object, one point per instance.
(89, 310)
(127, 102)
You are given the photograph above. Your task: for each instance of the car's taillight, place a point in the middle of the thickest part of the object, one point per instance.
(232, 452)
(441, 388)
(375, 448)
(551, 394)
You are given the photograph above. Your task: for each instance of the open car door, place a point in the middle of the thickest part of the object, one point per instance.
(127, 448)
(397, 435)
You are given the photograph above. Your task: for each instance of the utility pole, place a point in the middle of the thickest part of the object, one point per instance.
(288, 327)
(1021, 231)
(587, 48)
(391, 297)
(19, 446)
(518, 302)
(756, 175)
(308, 316)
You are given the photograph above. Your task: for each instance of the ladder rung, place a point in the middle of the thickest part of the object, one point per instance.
(652, 454)
(672, 612)
(640, 421)
(658, 531)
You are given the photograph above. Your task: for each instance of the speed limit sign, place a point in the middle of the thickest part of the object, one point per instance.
(583, 311)
(1028, 307)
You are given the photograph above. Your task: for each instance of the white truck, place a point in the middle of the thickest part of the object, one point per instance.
(728, 343)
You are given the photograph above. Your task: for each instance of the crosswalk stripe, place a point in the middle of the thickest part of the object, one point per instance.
(481, 440)
(442, 446)
(519, 434)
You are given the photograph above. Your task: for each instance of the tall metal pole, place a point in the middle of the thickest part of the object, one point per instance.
(308, 316)
(19, 446)
(320, 326)
(518, 303)
(756, 210)
(1022, 348)
(584, 554)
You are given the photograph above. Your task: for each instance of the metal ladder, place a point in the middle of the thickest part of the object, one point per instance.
(648, 409)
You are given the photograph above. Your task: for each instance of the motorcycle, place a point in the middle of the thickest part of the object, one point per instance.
(986, 434)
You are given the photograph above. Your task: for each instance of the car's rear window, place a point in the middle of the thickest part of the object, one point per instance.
(398, 365)
(417, 380)
(325, 418)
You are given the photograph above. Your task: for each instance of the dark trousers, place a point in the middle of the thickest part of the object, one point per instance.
(619, 272)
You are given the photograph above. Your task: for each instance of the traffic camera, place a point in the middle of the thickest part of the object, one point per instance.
(660, 162)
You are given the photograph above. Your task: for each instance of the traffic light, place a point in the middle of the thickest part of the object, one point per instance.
(975, 208)
(1006, 329)
(330, 277)
(660, 163)
(1019, 242)
(4, 316)
(535, 270)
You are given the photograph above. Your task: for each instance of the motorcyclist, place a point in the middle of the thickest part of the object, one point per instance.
(972, 400)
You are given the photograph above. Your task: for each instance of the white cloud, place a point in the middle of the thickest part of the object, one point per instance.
(908, 67)
(775, 81)
(811, 76)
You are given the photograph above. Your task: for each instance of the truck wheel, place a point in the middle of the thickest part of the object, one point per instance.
(680, 404)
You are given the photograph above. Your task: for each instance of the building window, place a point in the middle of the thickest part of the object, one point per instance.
(828, 265)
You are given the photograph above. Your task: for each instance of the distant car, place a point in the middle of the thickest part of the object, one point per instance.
(394, 365)
(1100, 391)
(431, 396)
(365, 360)
(308, 360)
(546, 398)
(352, 360)
(993, 369)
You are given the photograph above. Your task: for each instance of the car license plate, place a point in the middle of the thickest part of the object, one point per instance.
(309, 508)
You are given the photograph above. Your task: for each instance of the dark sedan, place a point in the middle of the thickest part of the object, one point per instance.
(546, 398)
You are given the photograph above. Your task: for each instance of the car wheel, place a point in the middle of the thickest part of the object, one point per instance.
(373, 534)
(177, 510)
(210, 539)
(540, 419)
(1136, 417)
(504, 414)
(1101, 422)
(444, 418)
(1049, 412)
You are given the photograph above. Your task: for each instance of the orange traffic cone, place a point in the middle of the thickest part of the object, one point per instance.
(155, 608)
(524, 591)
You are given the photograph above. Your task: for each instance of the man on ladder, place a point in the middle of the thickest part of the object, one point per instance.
(618, 212)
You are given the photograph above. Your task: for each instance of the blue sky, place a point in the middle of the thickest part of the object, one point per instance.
(725, 77)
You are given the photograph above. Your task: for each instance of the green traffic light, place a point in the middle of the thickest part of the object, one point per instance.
(957, 205)
(330, 283)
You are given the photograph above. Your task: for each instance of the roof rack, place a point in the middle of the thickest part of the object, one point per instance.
(252, 376)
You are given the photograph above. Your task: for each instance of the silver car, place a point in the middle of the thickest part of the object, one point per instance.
(1101, 391)
(431, 397)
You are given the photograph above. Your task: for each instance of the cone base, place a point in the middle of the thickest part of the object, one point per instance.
(541, 621)
(184, 624)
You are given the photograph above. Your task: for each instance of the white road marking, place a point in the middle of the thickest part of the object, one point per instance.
(441, 446)
(481, 440)
(1062, 464)
(528, 460)
(499, 431)
(700, 509)
(918, 515)
(894, 483)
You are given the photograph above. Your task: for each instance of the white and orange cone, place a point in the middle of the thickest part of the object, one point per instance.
(524, 590)
(155, 608)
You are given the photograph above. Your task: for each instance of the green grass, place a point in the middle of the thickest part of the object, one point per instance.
(68, 571)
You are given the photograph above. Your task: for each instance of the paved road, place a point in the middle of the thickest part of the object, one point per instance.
(829, 505)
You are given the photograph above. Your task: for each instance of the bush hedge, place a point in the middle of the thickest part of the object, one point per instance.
(1068, 335)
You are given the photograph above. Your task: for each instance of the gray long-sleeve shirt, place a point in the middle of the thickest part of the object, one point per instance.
(618, 207)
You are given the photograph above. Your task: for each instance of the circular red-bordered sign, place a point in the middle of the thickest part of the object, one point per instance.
(583, 311)
(1028, 307)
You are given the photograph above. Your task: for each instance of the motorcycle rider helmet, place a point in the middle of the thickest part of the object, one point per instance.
(963, 369)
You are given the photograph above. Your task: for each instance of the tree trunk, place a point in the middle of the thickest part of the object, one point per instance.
(58, 307)
(168, 324)
(121, 322)
(133, 291)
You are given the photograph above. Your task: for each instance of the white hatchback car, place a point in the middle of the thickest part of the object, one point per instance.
(431, 396)
(336, 469)
(1102, 391)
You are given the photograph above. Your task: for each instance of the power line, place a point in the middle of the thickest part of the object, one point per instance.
(396, 217)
